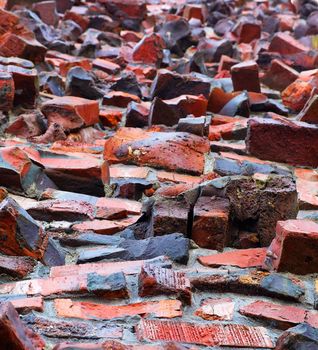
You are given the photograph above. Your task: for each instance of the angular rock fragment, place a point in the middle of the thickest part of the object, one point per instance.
(6, 91)
(20, 234)
(279, 75)
(149, 49)
(111, 287)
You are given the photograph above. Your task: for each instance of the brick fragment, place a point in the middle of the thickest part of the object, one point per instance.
(26, 305)
(243, 258)
(245, 76)
(285, 44)
(296, 95)
(204, 334)
(171, 151)
(282, 316)
(86, 310)
(216, 309)
(297, 337)
(71, 112)
(295, 142)
(20, 234)
(6, 91)
(293, 249)
(47, 12)
(74, 329)
(310, 110)
(149, 50)
(169, 85)
(211, 223)
(279, 75)
(14, 334)
(155, 280)
(16, 266)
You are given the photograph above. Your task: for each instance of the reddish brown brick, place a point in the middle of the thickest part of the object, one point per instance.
(71, 112)
(243, 258)
(231, 335)
(14, 334)
(86, 310)
(294, 247)
(154, 280)
(245, 76)
(211, 222)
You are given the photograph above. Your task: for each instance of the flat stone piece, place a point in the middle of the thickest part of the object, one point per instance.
(204, 334)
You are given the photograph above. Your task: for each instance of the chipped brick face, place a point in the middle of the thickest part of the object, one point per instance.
(158, 181)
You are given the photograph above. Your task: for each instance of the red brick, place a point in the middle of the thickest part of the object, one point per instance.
(295, 142)
(294, 247)
(82, 21)
(210, 222)
(216, 309)
(14, 334)
(47, 12)
(16, 266)
(7, 91)
(231, 335)
(165, 176)
(65, 66)
(282, 316)
(310, 110)
(106, 66)
(104, 227)
(242, 258)
(245, 76)
(18, 46)
(307, 194)
(194, 11)
(119, 99)
(285, 44)
(149, 50)
(154, 280)
(248, 32)
(90, 311)
(25, 305)
(71, 112)
(171, 151)
(296, 95)
(279, 75)
(106, 268)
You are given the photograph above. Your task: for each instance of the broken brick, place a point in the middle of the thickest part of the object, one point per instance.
(71, 112)
(153, 148)
(6, 91)
(204, 334)
(84, 310)
(155, 280)
(293, 248)
(242, 258)
(245, 77)
(211, 223)
(295, 142)
(14, 334)
(216, 309)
